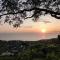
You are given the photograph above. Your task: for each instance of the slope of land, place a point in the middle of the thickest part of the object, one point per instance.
(30, 50)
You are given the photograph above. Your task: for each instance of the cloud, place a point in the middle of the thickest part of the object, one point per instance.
(46, 22)
(26, 26)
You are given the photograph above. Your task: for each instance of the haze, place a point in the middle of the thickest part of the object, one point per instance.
(45, 27)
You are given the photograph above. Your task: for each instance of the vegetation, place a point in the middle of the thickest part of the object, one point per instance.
(15, 12)
(59, 37)
(30, 50)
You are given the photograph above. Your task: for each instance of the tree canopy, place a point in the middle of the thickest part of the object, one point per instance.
(16, 11)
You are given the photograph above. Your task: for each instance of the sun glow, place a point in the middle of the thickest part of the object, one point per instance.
(43, 30)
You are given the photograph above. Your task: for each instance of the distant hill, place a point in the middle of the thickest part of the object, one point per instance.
(30, 50)
(14, 46)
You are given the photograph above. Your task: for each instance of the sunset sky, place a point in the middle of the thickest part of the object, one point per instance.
(45, 27)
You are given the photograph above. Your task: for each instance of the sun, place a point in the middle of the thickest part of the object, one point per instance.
(43, 30)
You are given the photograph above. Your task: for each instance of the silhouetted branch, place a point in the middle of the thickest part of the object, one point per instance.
(46, 10)
(19, 9)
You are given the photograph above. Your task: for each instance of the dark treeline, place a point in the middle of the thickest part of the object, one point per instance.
(16, 11)
(30, 50)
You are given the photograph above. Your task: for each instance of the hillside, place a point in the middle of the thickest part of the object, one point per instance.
(48, 49)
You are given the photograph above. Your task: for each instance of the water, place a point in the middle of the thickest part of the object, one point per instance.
(26, 36)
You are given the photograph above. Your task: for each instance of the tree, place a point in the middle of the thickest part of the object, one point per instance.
(16, 11)
(59, 37)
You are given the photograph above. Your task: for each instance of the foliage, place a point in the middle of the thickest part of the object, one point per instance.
(16, 11)
(35, 50)
(59, 37)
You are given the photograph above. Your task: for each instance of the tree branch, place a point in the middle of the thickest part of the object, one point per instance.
(46, 10)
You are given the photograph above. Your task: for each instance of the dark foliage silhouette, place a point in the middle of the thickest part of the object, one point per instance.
(59, 37)
(16, 11)
(30, 50)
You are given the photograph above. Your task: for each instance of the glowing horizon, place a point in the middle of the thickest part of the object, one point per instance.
(30, 26)
(46, 27)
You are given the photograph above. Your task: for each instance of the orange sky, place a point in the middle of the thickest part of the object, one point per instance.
(52, 25)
